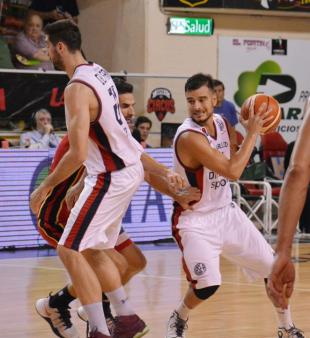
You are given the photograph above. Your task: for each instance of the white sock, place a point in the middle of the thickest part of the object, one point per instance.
(183, 311)
(96, 318)
(285, 318)
(120, 302)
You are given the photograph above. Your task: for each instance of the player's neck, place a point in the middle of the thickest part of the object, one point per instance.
(209, 125)
(74, 61)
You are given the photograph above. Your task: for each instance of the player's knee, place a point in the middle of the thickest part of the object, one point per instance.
(205, 293)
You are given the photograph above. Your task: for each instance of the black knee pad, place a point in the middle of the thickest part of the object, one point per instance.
(205, 293)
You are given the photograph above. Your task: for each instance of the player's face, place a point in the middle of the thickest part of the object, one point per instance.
(200, 104)
(127, 103)
(55, 56)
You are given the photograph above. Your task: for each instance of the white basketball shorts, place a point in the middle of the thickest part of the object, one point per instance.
(95, 220)
(226, 231)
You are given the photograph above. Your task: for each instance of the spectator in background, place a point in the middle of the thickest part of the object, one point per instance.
(54, 10)
(30, 46)
(143, 125)
(42, 136)
(225, 108)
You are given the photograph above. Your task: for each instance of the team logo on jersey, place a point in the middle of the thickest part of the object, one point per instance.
(194, 3)
(200, 269)
(161, 102)
(221, 125)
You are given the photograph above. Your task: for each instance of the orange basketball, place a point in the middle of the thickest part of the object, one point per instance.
(271, 104)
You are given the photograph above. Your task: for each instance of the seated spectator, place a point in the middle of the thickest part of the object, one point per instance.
(30, 46)
(143, 125)
(54, 10)
(42, 136)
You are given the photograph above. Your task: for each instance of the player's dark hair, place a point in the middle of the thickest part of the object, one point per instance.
(65, 31)
(197, 81)
(122, 86)
(217, 83)
(143, 119)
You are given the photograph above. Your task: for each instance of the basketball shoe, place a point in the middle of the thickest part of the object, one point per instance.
(292, 332)
(58, 318)
(176, 326)
(83, 316)
(129, 327)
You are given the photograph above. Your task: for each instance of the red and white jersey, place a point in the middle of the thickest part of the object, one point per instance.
(215, 189)
(110, 144)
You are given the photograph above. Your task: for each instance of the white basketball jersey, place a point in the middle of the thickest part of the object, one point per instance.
(110, 144)
(215, 189)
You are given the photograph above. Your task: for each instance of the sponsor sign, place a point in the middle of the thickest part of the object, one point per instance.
(249, 65)
(275, 7)
(147, 218)
(22, 93)
(190, 26)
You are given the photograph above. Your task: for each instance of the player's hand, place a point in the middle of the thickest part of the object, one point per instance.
(281, 280)
(256, 121)
(72, 195)
(37, 197)
(187, 195)
(175, 181)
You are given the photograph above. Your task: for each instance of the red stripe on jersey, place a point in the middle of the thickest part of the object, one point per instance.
(111, 161)
(177, 210)
(105, 154)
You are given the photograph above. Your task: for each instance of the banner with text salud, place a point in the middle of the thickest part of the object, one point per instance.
(276, 67)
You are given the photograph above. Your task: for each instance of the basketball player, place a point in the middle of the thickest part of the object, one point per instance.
(216, 225)
(292, 200)
(99, 138)
(53, 216)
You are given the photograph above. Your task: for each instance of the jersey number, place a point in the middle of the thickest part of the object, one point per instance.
(117, 110)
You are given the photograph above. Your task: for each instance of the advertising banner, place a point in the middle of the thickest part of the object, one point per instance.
(275, 67)
(264, 6)
(146, 220)
(23, 93)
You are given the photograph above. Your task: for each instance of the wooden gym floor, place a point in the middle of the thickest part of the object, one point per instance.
(238, 310)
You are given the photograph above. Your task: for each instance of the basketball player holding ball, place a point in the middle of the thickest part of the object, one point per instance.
(216, 225)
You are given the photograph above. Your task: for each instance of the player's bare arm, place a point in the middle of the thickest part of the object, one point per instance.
(294, 189)
(184, 197)
(174, 180)
(292, 199)
(77, 100)
(73, 193)
(195, 151)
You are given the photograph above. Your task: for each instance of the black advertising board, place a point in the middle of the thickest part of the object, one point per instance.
(275, 7)
(23, 93)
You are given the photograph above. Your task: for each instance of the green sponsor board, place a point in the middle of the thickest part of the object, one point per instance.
(190, 26)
